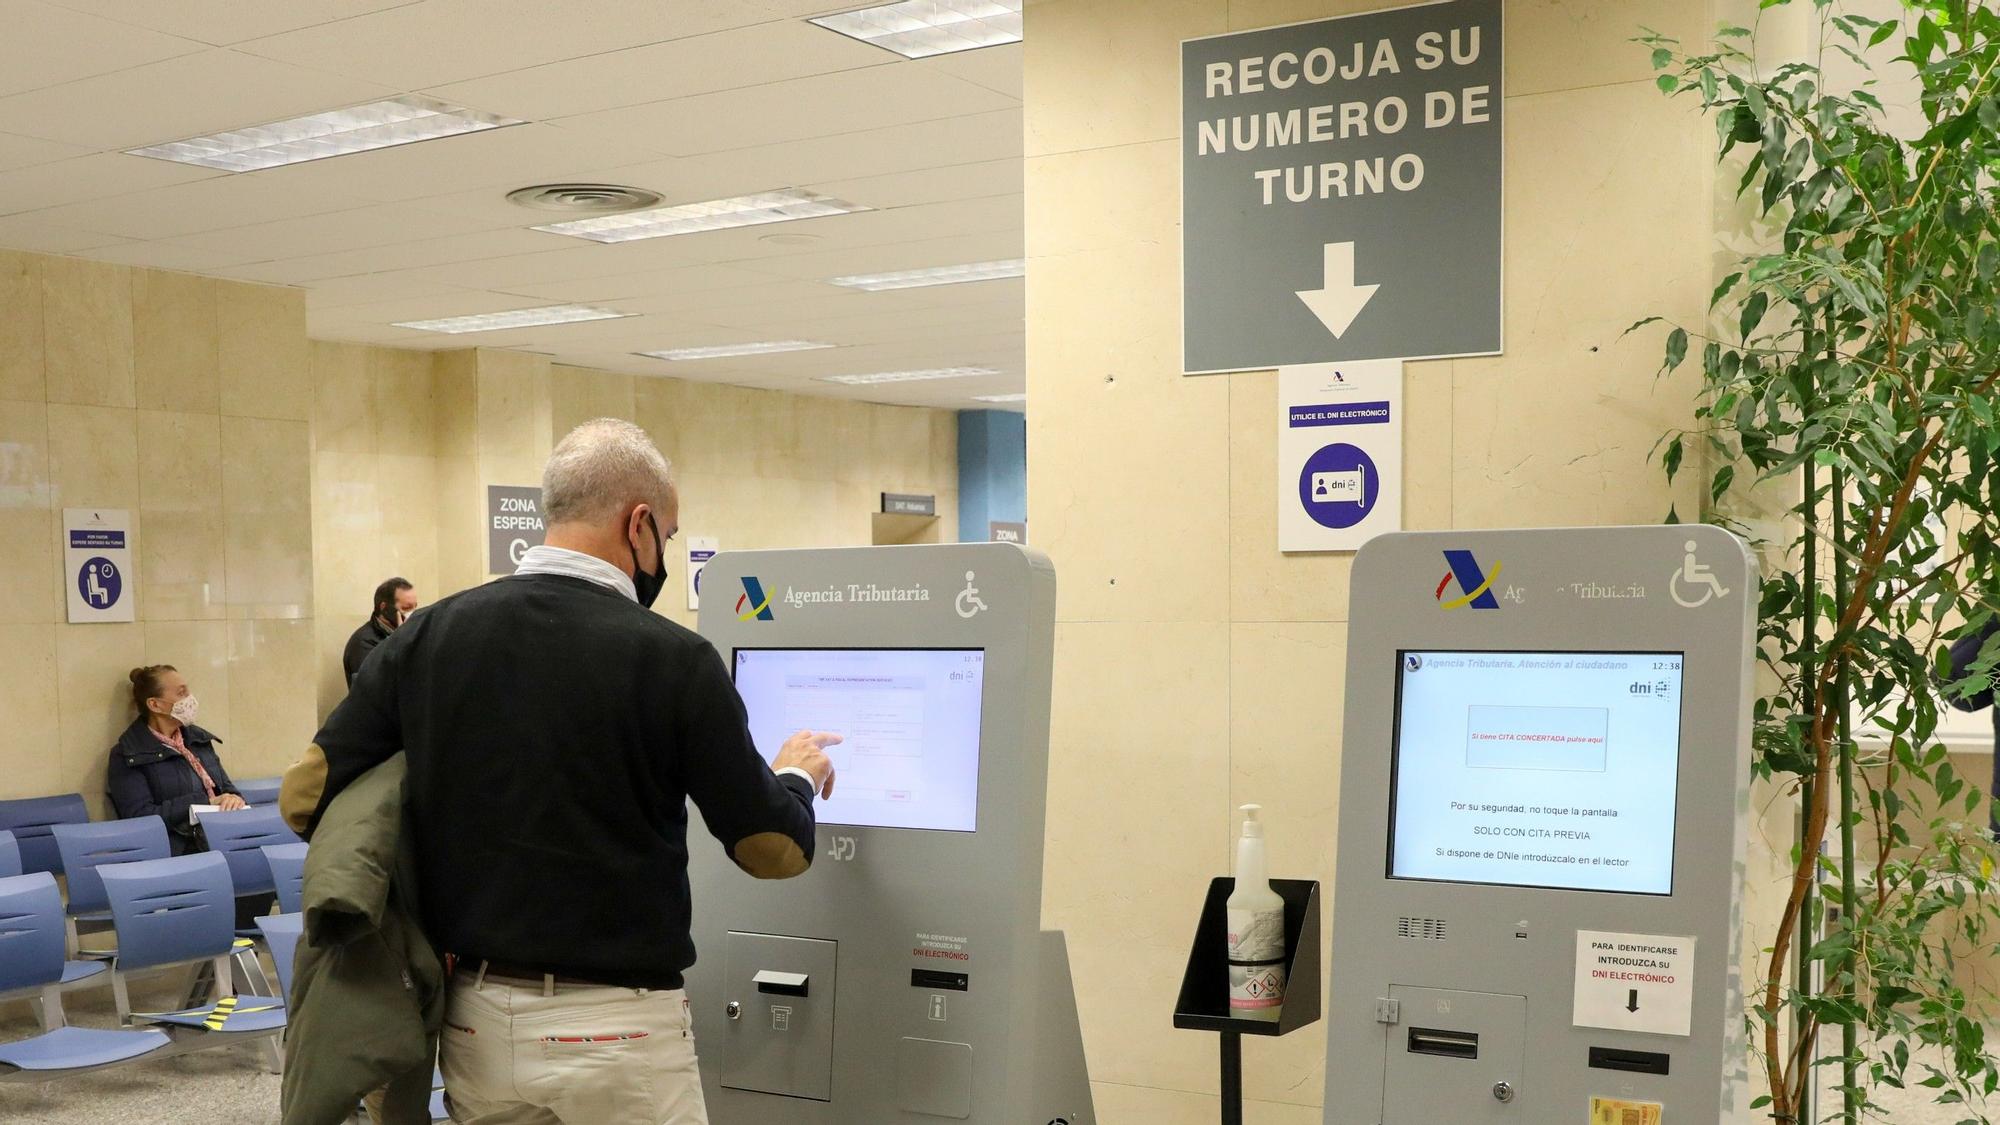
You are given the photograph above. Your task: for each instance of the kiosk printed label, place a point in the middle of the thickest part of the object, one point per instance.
(97, 555)
(1634, 982)
(1340, 454)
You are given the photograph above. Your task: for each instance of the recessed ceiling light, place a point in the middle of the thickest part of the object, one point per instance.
(917, 29)
(337, 132)
(1000, 398)
(719, 214)
(723, 351)
(513, 318)
(936, 275)
(908, 376)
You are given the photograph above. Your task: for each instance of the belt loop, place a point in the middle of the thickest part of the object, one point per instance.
(479, 982)
(548, 984)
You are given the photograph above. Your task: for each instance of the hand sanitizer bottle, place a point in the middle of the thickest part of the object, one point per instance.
(1256, 930)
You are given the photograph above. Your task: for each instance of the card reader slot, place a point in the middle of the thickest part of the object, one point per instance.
(1636, 1062)
(773, 983)
(1450, 1044)
(939, 981)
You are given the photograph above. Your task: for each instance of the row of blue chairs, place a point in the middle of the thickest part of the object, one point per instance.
(32, 820)
(168, 913)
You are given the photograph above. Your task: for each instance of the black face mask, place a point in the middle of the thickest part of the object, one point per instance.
(648, 586)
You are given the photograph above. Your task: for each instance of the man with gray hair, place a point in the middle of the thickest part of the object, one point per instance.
(554, 730)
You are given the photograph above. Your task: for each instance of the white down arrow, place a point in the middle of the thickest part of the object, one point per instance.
(1340, 300)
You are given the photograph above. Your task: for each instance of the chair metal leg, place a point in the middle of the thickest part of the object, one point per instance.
(121, 996)
(49, 1010)
(252, 971)
(72, 940)
(274, 1054)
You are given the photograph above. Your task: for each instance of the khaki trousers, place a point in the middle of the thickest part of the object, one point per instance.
(516, 1053)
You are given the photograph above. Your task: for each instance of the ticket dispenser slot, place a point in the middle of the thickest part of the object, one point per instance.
(1459, 1059)
(778, 1038)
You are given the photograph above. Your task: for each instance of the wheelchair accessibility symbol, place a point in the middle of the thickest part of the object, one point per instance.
(969, 605)
(1695, 576)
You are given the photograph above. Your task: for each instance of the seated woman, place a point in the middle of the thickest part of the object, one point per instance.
(163, 764)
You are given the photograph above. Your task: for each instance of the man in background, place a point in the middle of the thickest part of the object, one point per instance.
(395, 601)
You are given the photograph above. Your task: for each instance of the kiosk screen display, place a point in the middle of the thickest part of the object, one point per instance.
(909, 717)
(1537, 769)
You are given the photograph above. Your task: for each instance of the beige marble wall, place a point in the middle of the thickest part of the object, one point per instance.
(1197, 667)
(405, 444)
(182, 399)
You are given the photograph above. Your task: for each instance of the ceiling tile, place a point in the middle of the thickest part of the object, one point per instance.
(166, 256)
(664, 285)
(341, 292)
(405, 256)
(216, 203)
(97, 176)
(188, 96)
(222, 22)
(726, 60)
(22, 152)
(358, 228)
(18, 233)
(996, 68)
(957, 249)
(486, 165)
(443, 41)
(825, 105)
(931, 185)
(47, 45)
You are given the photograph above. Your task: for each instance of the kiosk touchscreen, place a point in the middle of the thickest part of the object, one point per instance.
(1544, 783)
(904, 978)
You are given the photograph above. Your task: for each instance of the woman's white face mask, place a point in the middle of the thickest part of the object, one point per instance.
(185, 709)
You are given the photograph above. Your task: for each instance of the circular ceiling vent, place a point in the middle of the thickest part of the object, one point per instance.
(584, 199)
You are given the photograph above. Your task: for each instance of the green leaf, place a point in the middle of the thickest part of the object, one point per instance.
(1723, 289)
(1733, 33)
(1662, 58)
(1677, 347)
(1667, 83)
(1723, 478)
(1882, 35)
(1671, 458)
(1753, 312)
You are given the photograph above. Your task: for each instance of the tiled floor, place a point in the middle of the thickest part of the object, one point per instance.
(231, 1086)
(223, 1087)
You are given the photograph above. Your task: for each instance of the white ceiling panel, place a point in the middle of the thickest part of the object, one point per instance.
(825, 105)
(694, 99)
(665, 285)
(488, 164)
(955, 250)
(46, 45)
(442, 41)
(188, 96)
(97, 176)
(222, 22)
(167, 256)
(396, 260)
(996, 68)
(677, 69)
(220, 202)
(931, 185)
(383, 224)
(19, 233)
(23, 152)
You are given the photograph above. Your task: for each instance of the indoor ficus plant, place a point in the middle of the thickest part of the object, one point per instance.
(1851, 370)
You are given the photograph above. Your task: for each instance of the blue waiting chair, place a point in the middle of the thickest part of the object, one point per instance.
(32, 933)
(288, 875)
(10, 856)
(260, 792)
(240, 837)
(281, 936)
(87, 847)
(30, 820)
(177, 912)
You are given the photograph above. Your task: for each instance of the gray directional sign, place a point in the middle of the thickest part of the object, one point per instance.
(513, 524)
(1340, 190)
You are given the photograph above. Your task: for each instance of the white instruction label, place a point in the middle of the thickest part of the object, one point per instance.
(1634, 982)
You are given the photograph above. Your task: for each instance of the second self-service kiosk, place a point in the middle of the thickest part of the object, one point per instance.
(1544, 786)
(905, 978)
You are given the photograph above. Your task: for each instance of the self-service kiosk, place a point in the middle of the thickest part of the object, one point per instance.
(1544, 786)
(905, 978)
